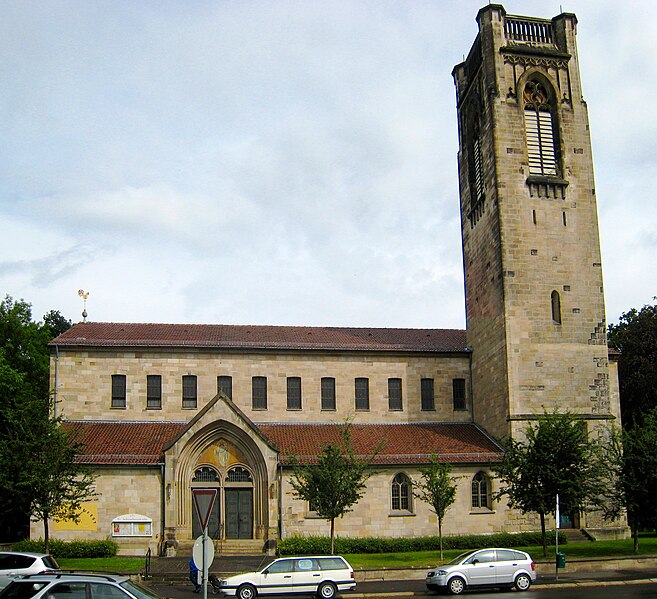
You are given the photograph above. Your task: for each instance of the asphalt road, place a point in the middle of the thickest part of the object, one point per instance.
(627, 589)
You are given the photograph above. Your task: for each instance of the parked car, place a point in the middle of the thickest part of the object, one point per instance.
(72, 585)
(14, 564)
(508, 568)
(324, 575)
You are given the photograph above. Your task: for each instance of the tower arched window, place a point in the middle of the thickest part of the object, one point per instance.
(540, 130)
(480, 491)
(555, 300)
(401, 493)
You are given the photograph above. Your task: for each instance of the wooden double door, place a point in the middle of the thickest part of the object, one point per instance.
(234, 521)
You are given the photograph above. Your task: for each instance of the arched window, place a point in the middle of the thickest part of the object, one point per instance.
(540, 130)
(480, 491)
(556, 307)
(401, 493)
(205, 474)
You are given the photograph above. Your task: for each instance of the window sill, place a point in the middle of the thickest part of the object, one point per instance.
(400, 514)
(480, 511)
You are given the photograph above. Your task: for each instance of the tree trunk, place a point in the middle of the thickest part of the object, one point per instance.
(635, 533)
(46, 536)
(440, 537)
(543, 535)
(332, 536)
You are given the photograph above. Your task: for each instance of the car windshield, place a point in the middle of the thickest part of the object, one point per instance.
(22, 589)
(139, 591)
(460, 558)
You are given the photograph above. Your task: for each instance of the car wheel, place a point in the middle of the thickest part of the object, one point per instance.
(246, 591)
(456, 586)
(523, 582)
(326, 590)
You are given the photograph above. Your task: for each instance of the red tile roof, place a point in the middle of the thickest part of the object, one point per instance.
(123, 442)
(408, 443)
(413, 443)
(218, 336)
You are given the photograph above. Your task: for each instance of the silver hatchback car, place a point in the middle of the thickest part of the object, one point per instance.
(507, 568)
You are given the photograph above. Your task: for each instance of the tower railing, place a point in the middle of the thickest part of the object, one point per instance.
(533, 31)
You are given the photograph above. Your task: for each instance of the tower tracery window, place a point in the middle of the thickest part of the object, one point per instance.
(540, 130)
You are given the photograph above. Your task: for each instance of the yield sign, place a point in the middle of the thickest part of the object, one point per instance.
(203, 502)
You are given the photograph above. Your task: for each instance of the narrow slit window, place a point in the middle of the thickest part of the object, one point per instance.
(556, 307)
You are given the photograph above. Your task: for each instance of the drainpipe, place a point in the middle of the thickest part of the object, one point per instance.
(162, 510)
(54, 409)
(280, 501)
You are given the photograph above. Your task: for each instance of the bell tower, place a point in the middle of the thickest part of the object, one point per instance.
(531, 251)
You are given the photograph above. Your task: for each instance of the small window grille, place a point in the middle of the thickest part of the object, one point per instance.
(205, 474)
(458, 394)
(480, 491)
(293, 393)
(239, 475)
(225, 386)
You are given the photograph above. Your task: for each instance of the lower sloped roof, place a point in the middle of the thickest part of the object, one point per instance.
(142, 443)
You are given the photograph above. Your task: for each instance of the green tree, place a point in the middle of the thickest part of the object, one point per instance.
(635, 337)
(56, 323)
(555, 458)
(336, 482)
(26, 426)
(632, 454)
(437, 488)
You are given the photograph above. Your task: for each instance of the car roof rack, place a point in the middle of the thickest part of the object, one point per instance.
(59, 573)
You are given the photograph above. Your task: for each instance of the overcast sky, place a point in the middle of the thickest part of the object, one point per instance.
(288, 163)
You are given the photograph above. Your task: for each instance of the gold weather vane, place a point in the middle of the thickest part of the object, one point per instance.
(84, 295)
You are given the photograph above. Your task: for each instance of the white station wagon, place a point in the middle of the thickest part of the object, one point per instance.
(321, 575)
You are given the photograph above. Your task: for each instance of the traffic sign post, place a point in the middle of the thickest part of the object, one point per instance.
(203, 503)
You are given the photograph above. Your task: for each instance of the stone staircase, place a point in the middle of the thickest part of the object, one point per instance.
(577, 535)
(227, 547)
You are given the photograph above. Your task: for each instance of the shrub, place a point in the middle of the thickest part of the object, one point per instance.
(317, 545)
(63, 549)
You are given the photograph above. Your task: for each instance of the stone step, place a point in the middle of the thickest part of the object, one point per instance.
(227, 547)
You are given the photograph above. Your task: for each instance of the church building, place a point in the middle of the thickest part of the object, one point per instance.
(164, 409)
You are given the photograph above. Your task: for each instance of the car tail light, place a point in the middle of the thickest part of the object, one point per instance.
(533, 566)
(353, 575)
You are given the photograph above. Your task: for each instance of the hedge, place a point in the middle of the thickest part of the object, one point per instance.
(106, 548)
(318, 545)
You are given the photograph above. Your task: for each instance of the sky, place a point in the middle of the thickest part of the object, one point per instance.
(281, 162)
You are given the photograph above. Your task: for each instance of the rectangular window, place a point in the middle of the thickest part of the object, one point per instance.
(328, 393)
(154, 392)
(225, 386)
(394, 394)
(189, 396)
(362, 393)
(259, 392)
(426, 394)
(458, 393)
(293, 393)
(118, 391)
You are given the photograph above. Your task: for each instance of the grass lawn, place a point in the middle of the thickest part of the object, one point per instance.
(419, 559)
